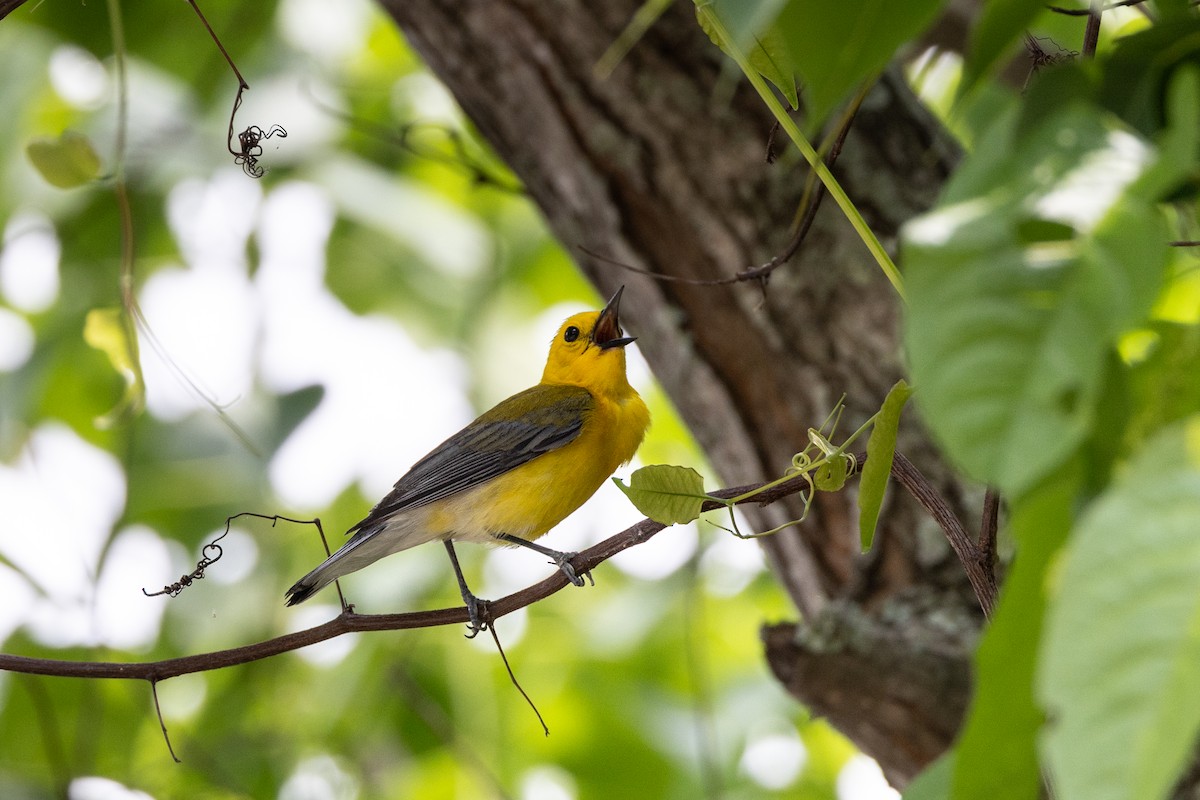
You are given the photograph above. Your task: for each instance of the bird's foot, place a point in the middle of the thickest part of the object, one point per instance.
(557, 557)
(563, 561)
(479, 614)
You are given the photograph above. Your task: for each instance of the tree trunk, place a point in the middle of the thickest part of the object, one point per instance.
(662, 166)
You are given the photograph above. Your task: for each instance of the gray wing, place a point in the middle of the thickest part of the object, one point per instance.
(518, 430)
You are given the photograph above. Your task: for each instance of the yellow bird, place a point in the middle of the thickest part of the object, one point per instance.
(516, 471)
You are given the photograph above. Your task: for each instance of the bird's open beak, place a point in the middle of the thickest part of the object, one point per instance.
(607, 332)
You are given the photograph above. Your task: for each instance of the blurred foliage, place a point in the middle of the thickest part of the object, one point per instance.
(1051, 333)
(652, 687)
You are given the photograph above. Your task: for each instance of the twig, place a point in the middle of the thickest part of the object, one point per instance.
(161, 724)
(216, 40)
(975, 560)
(990, 523)
(512, 677)
(1091, 35)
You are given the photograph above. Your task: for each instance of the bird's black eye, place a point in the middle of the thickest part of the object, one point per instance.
(571, 334)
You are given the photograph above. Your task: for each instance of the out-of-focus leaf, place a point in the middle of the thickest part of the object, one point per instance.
(1136, 75)
(934, 781)
(664, 493)
(109, 331)
(996, 755)
(837, 46)
(1122, 637)
(66, 162)
(1166, 384)
(750, 24)
(1007, 332)
(881, 450)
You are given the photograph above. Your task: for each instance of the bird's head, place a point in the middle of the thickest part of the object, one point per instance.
(589, 350)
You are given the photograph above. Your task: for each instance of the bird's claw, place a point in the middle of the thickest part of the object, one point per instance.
(480, 616)
(563, 561)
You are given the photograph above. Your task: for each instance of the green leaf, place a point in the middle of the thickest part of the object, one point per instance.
(109, 331)
(664, 493)
(881, 449)
(996, 754)
(66, 162)
(1118, 678)
(934, 781)
(1166, 383)
(770, 56)
(838, 46)
(1001, 23)
(750, 23)
(1008, 333)
(1136, 76)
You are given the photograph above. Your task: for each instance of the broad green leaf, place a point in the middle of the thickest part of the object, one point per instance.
(1166, 383)
(750, 24)
(1011, 319)
(1172, 8)
(66, 162)
(107, 330)
(934, 781)
(1001, 24)
(837, 46)
(996, 755)
(1179, 140)
(1118, 676)
(1136, 76)
(664, 493)
(881, 450)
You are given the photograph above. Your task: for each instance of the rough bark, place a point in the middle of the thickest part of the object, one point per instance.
(661, 166)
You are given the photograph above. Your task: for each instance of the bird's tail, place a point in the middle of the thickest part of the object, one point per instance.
(312, 583)
(343, 562)
(366, 547)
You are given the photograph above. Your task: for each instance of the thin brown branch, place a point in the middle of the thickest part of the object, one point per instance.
(9, 6)
(975, 560)
(512, 677)
(990, 523)
(1091, 35)
(349, 622)
(216, 40)
(161, 723)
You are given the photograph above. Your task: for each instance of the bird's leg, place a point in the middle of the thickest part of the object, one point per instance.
(561, 559)
(478, 610)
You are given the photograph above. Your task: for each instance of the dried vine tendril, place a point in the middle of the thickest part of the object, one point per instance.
(209, 555)
(249, 147)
